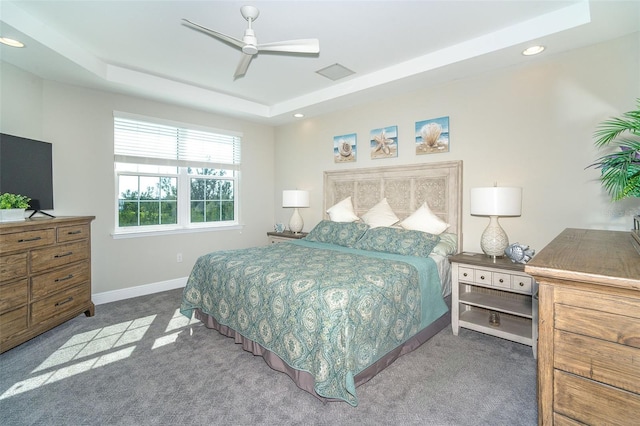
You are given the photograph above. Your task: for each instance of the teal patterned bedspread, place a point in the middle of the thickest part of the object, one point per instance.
(329, 310)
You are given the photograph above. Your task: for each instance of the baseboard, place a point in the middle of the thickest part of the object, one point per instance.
(142, 290)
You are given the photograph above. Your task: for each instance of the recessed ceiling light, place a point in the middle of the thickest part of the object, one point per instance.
(533, 50)
(298, 115)
(11, 42)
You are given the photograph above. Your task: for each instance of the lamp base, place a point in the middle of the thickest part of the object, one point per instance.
(296, 223)
(494, 240)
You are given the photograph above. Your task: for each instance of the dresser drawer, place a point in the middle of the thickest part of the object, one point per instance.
(26, 240)
(65, 277)
(60, 303)
(61, 254)
(73, 233)
(14, 294)
(13, 322)
(590, 402)
(605, 362)
(610, 327)
(13, 266)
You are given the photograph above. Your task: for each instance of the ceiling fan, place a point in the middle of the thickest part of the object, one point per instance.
(249, 43)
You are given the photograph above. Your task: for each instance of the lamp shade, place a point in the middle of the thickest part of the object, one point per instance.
(496, 201)
(295, 198)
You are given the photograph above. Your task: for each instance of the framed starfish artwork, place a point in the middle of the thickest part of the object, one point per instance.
(345, 148)
(384, 142)
(432, 136)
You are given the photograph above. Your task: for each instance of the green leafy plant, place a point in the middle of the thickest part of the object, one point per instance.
(620, 170)
(13, 201)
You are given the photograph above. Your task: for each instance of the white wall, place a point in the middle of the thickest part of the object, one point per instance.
(79, 123)
(528, 126)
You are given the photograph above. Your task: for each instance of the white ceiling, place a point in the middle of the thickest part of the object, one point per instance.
(142, 48)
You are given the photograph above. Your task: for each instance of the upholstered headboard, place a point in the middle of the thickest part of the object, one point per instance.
(405, 188)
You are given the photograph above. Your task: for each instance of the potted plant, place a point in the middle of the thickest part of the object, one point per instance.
(620, 169)
(12, 207)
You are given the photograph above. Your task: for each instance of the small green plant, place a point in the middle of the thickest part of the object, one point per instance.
(620, 170)
(13, 201)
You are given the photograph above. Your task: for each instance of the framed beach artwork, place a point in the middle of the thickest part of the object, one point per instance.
(432, 136)
(384, 142)
(344, 148)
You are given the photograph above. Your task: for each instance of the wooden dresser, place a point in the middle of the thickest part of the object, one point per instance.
(589, 329)
(45, 276)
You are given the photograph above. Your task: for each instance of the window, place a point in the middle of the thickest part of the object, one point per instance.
(172, 176)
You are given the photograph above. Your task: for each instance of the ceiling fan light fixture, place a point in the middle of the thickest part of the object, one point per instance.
(533, 50)
(335, 72)
(249, 43)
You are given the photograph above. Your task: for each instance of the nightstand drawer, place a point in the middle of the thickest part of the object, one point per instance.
(466, 274)
(501, 280)
(520, 283)
(482, 276)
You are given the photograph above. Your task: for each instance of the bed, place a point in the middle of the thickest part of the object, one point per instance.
(337, 307)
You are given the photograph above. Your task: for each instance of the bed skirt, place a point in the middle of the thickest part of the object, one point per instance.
(303, 379)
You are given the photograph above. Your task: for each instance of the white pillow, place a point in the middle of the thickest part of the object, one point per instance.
(447, 245)
(380, 215)
(424, 220)
(342, 211)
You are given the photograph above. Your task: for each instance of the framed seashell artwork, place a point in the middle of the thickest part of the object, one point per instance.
(384, 142)
(432, 136)
(345, 148)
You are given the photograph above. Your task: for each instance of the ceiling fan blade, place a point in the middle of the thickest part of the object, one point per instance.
(308, 45)
(215, 34)
(241, 70)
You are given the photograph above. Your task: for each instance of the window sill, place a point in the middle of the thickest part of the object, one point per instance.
(159, 232)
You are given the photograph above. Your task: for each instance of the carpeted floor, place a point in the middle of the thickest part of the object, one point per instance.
(138, 362)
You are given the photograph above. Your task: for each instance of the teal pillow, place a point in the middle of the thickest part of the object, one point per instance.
(341, 233)
(398, 241)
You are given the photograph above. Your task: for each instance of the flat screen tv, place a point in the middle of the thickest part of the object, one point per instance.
(26, 168)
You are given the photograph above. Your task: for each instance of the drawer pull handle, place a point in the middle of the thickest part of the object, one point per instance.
(521, 284)
(26, 240)
(57, 256)
(482, 277)
(501, 280)
(67, 300)
(68, 277)
(74, 232)
(464, 274)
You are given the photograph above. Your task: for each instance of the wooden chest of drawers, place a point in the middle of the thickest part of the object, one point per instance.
(589, 329)
(45, 276)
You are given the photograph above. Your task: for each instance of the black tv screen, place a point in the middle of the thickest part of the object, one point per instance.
(26, 168)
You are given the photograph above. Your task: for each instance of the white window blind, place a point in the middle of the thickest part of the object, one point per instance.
(143, 142)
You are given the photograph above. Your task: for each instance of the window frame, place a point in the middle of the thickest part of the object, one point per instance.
(183, 184)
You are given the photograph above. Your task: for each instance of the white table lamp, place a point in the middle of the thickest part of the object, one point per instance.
(495, 201)
(296, 199)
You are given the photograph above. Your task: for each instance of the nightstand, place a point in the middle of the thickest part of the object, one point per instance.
(494, 297)
(278, 237)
